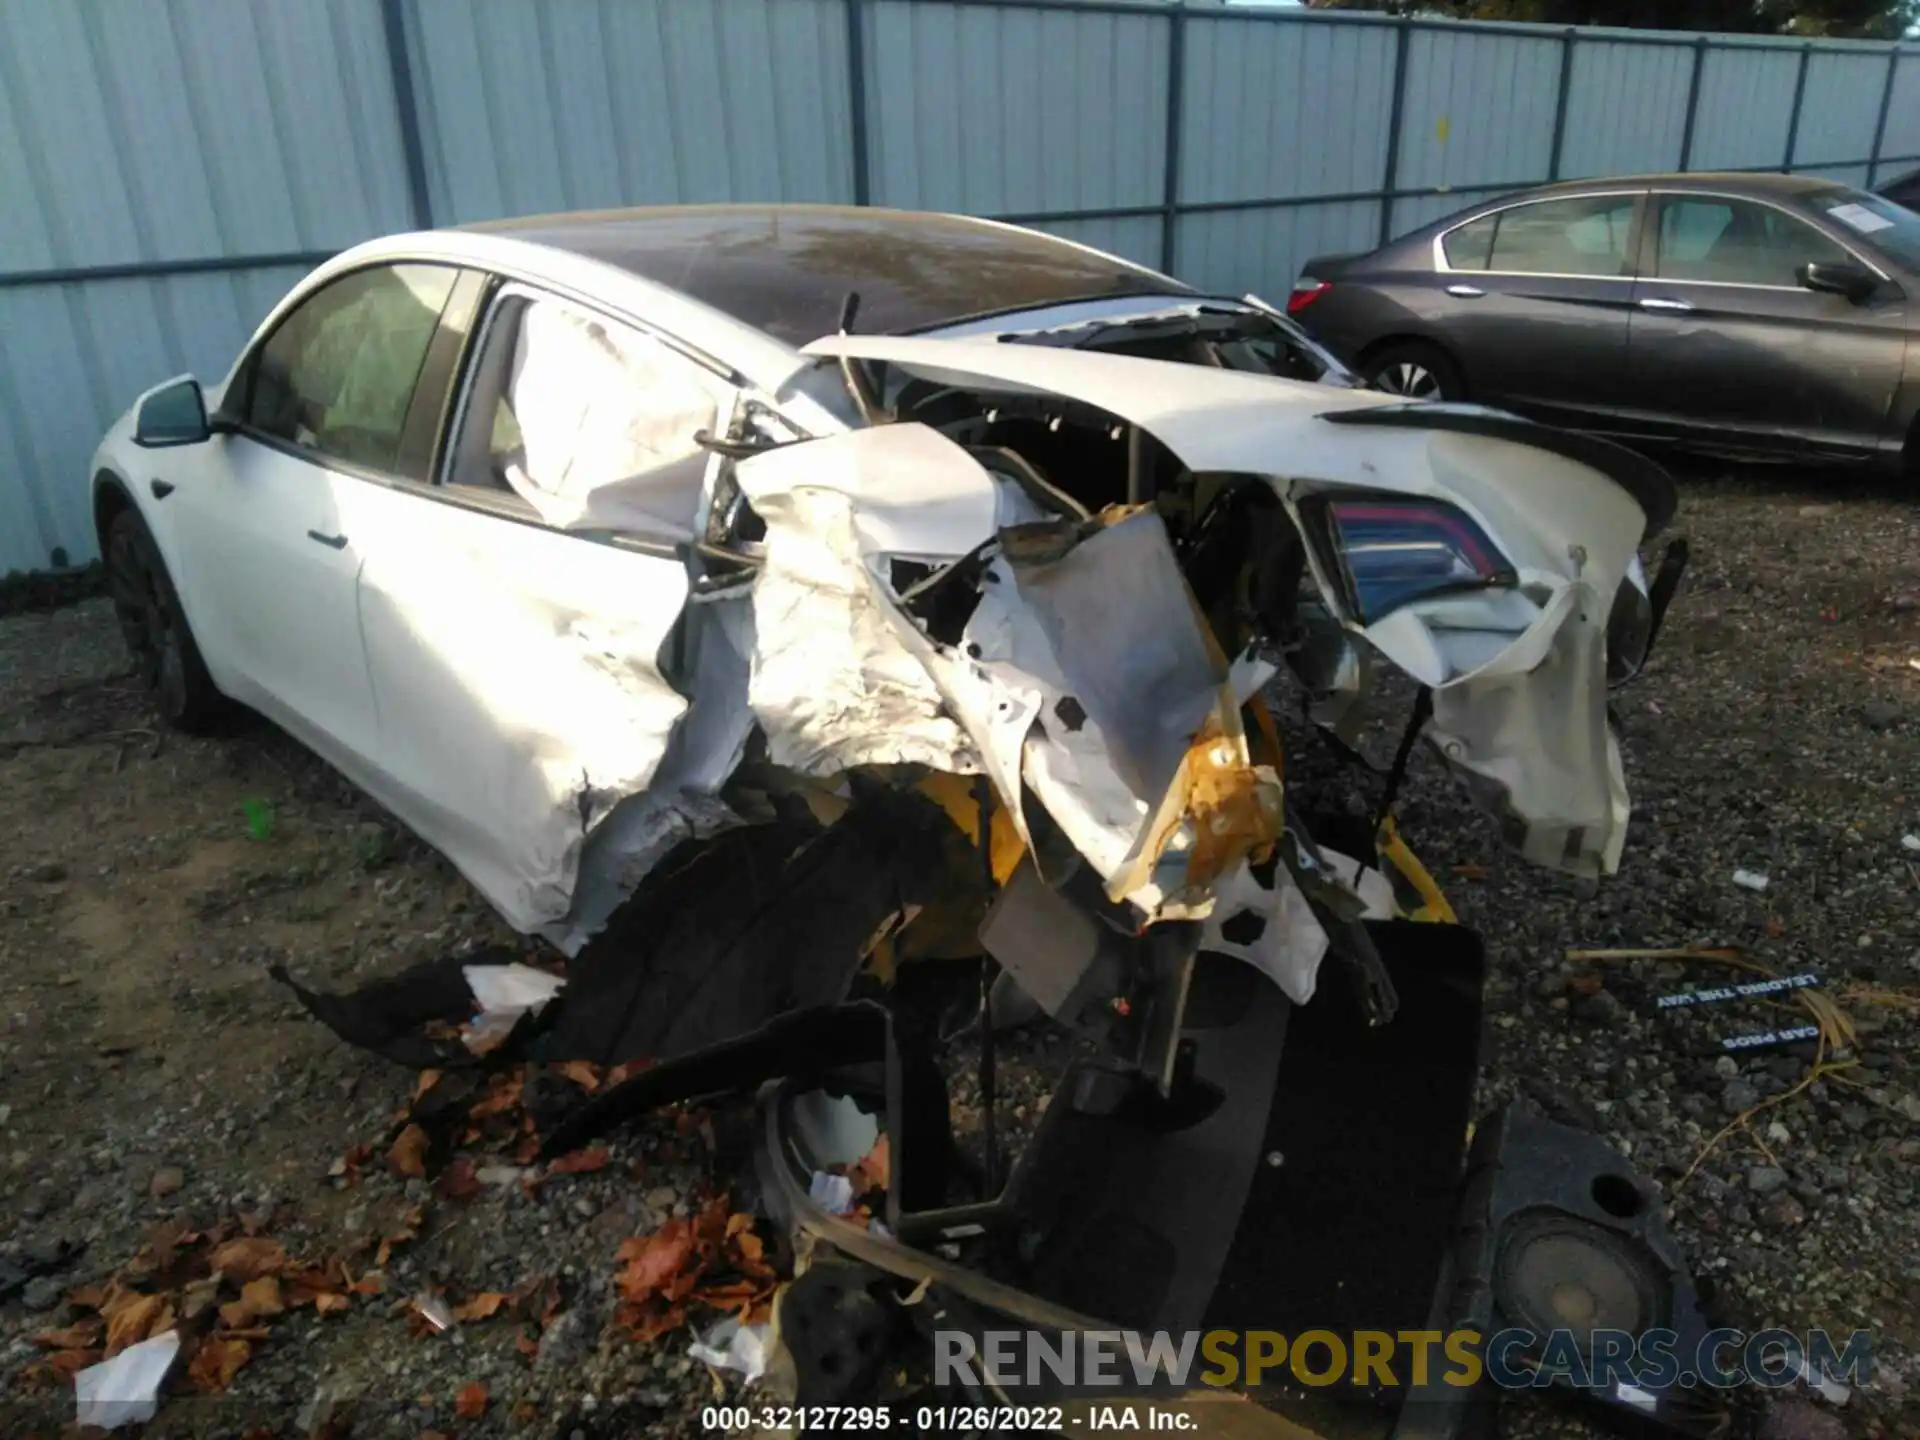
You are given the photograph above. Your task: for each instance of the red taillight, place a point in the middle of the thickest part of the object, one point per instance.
(1305, 292)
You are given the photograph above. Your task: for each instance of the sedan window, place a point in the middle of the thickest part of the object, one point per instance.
(1583, 236)
(1471, 246)
(1883, 223)
(1737, 242)
(337, 375)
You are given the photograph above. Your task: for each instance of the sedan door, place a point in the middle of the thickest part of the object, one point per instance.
(1733, 350)
(269, 566)
(521, 613)
(1536, 303)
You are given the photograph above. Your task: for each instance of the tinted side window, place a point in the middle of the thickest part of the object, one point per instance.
(1736, 242)
(338, 374)
(1471, 246)
(1586, 236)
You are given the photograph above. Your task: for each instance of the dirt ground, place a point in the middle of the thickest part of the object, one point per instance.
(151, 1071)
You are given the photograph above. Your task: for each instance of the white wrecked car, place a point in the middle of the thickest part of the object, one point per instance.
(560, 536)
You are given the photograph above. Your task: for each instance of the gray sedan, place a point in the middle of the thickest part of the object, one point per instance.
(1762, 316)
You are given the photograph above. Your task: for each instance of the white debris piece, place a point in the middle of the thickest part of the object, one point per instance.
(733, 1346)
(1750, 880)
(833, 1128)
(126, 1389)
(501, 995)
(832, 1193)
(1910, 843)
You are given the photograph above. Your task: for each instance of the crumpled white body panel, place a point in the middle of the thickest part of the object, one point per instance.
(822, 658)
(1289, 942)
(1521, 717)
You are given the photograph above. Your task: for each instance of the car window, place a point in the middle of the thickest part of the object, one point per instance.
(588, 420)
(338, 374)
(1885, 223)
(1736, 242)
(1583, 236)
(1471, 246)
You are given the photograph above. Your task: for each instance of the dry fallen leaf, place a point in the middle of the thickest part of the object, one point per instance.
(329, 1304)
(249, 1258)
(872, 1171)
(503, 1094)
(526, 1345)
(459, 1181)
(581, 1162)
(66, 1363)
(583, 1073)
(216, 1362)
(81, 1335)
(408, 1155)
(471, 1403)
(258, 1299)
(647, 1323)
(134, 1317)
(651, 1261)
(428, 1079)
(481, 1307)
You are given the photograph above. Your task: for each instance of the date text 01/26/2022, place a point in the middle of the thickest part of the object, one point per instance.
(932, 1419)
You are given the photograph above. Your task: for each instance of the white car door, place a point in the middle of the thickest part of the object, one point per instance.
(519, 614)
(269, 561)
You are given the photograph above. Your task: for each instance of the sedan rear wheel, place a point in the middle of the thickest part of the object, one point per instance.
(1416, 371)
(155, 627)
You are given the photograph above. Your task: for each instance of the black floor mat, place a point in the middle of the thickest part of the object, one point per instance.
(1348, 1231)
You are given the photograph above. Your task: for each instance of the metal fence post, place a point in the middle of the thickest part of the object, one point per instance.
(857, 101)
(1397, 112)
(1693, 101)
(393, 21)
(1176, 103)
(1799, 98)
(1567, 42)
(1880, 125)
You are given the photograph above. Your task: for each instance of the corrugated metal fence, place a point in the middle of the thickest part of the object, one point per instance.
(168, 169)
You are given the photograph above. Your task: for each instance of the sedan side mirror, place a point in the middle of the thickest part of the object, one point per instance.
(174, 414)
(1838, 277)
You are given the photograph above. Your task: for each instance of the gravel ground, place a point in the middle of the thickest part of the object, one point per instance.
(150, 1070)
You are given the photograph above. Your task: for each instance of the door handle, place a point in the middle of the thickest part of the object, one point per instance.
(1654, 303)
(1465, 292)
(332, 542)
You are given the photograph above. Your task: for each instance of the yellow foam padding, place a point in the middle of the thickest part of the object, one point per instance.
(955, 795)
(1433, 907)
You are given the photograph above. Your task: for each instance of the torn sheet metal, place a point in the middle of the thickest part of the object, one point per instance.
(512, 722)
(503, 996)
(1519, 673)
(831, 681)
(1262, 917)
(683, 801)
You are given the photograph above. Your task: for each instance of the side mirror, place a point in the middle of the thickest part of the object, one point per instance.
(175, 414)
(1839, 277)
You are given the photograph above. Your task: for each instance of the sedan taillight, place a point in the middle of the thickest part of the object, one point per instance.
(1305, 292)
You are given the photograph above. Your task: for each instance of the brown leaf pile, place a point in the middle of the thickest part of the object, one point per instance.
(220, 1287)
(716, 1260)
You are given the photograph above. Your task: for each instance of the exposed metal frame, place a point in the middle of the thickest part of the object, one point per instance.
(398, 18)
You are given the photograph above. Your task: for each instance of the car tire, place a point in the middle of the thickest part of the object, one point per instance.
(154, 625)
(1416, 370)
